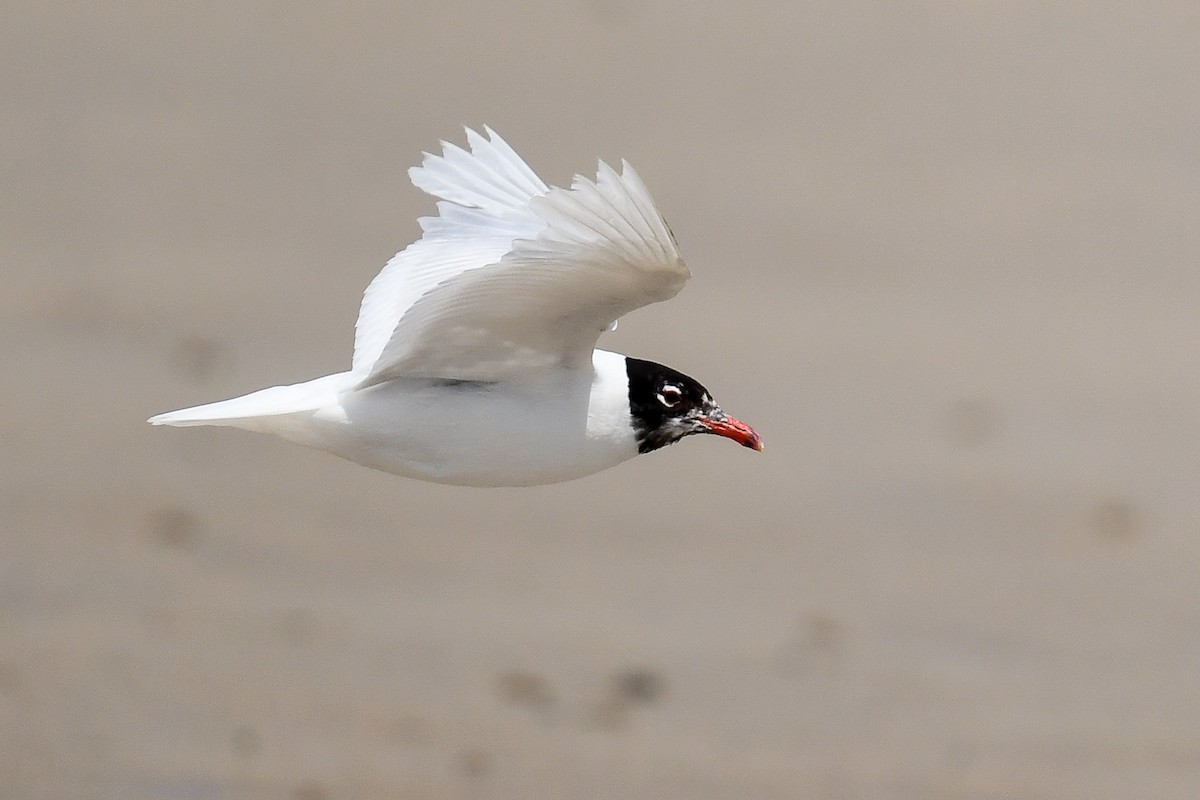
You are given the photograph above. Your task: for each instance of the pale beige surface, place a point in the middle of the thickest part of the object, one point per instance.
(945, 260)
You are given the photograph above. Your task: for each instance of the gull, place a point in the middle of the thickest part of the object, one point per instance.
(475, 359)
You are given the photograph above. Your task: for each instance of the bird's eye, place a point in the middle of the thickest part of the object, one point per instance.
(670, 395)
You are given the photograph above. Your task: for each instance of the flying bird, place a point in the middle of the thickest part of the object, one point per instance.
(475, 359)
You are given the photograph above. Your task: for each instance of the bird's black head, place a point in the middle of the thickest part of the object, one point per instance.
(667, 405)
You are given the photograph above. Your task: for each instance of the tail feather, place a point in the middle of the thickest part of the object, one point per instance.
(241, 412)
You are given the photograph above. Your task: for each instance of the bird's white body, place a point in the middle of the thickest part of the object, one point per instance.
(560, 425)
(557, 426)
(474, 351)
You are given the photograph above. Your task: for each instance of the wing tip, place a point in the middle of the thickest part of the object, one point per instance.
(474, 138)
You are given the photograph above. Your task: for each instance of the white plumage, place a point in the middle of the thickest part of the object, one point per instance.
(473, 353)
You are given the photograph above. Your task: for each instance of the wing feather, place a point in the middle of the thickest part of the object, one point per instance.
(602, 251)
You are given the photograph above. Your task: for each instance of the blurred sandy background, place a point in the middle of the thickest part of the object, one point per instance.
(945, 261)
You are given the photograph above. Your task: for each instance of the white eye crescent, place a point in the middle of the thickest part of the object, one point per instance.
(670, 395)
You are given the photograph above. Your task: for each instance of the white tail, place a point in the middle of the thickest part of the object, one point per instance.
(242, 412)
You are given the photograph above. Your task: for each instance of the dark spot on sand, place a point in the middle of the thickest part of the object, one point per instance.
(175, 527)
(814, 643)
(823, 631)
(1115, 520)
(640, 685)
(201, 358)
(526, 689)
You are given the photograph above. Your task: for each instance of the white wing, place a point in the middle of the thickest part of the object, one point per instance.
(486, 194)
(583, 257)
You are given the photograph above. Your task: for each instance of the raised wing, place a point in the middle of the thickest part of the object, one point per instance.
(486, 195)
(601, 250)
